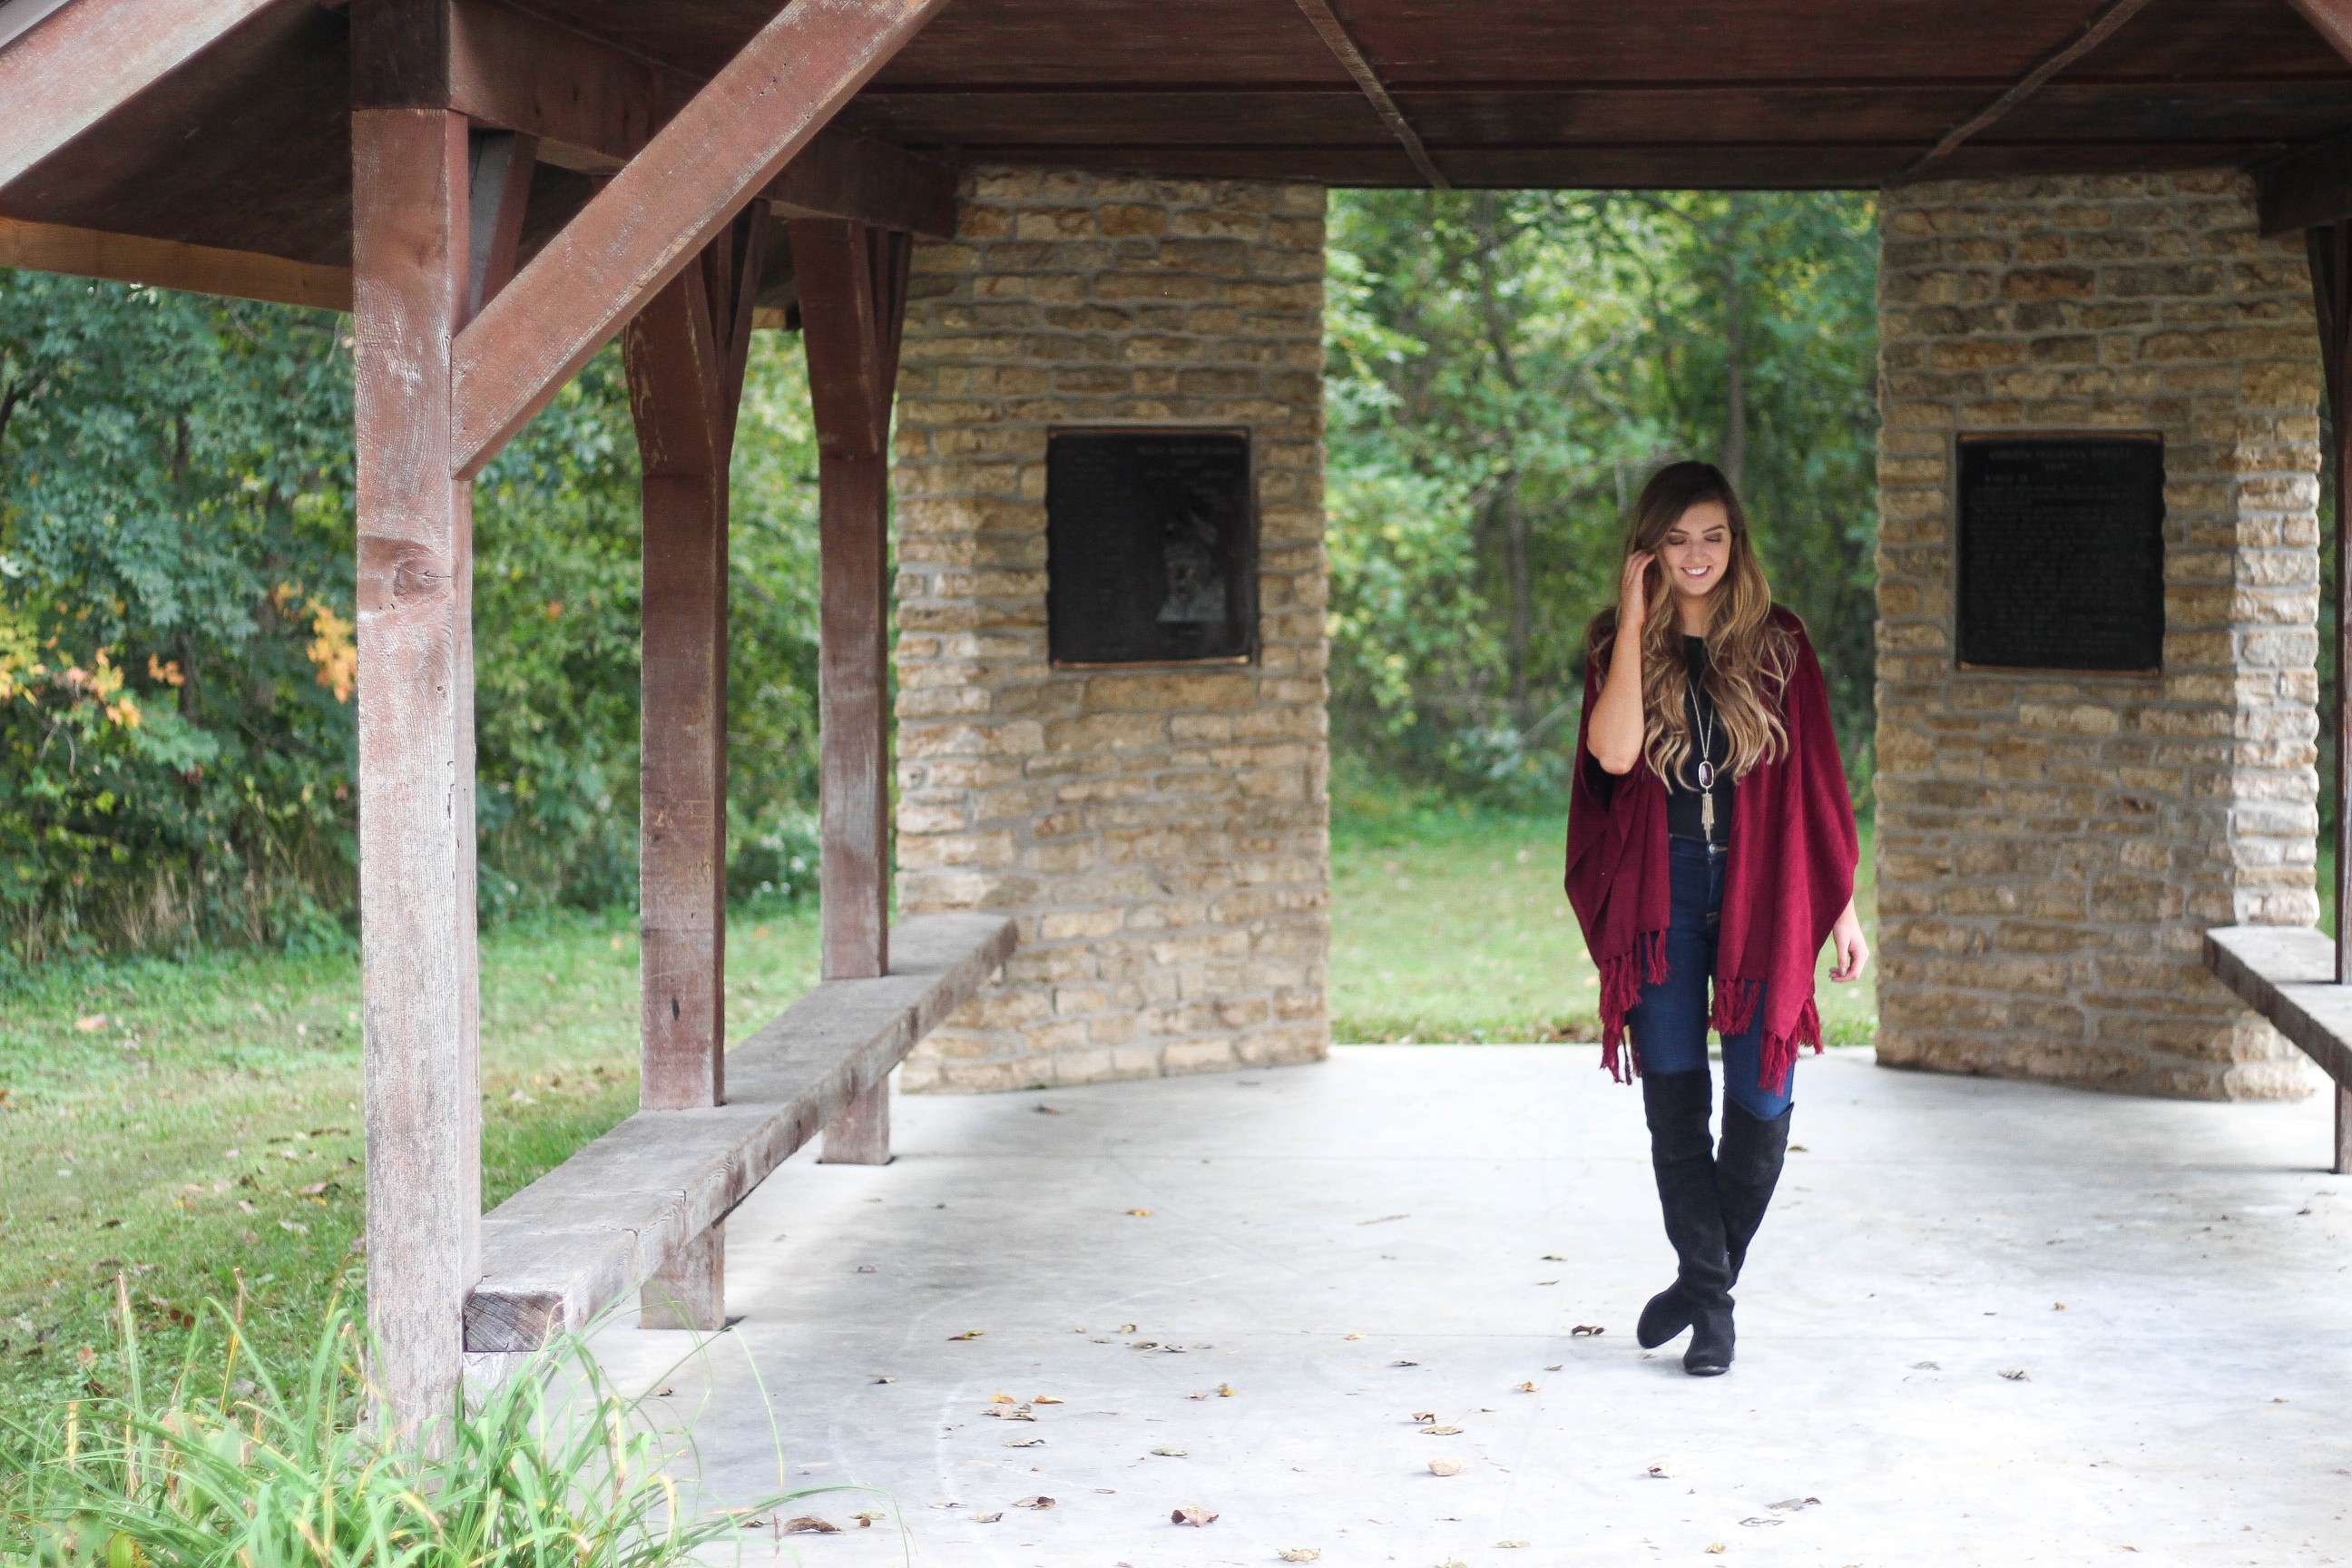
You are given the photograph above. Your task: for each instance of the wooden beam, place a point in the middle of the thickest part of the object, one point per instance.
(501, 181)
(852, 299)
(2329, 251)
(73, 68)
(420, 985)
(2331, 20)
(2102, 25)
(714, 156)
(1336, 38)
(593, 108)
(2308, 187)
(168, 264)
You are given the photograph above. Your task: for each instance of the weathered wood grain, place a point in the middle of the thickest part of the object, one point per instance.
(168, 264)
(65, 74)
(690, 1289)
(852, 283)
(860, 1134)
(617, 1211)
(715, 155)
(419, 981)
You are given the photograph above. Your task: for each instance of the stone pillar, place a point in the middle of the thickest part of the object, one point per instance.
(2051, 848)
(1161, 834)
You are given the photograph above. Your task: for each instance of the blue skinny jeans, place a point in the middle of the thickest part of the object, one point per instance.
(1669, 1023)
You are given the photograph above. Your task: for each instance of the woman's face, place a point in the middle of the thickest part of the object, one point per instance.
(1696, 550)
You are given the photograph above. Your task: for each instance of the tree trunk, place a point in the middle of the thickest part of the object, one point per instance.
(1515, 565)
(1734, 454)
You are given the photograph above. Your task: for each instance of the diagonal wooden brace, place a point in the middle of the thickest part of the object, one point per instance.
(699, 170)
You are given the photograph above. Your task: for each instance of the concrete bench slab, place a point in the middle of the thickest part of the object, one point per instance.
(596, 1226)
(2287, 973)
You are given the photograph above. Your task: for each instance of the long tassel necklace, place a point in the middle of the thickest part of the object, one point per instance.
(1706, 717)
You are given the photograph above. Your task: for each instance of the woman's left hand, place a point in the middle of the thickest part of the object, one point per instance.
(1846, 942)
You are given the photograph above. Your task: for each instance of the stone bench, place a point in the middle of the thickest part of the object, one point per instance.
(642, 1197)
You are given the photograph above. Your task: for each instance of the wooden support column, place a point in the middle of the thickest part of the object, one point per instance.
(852, 280)
(685, 354)
(419, 985)
(2329, 247)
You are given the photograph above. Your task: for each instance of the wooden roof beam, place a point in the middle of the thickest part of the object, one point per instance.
(2102, 26)
(714, 157)
(593, 108)
(2331, 20)
(2309, 187)
(76, 65)
(1335, 35)
(169, 264)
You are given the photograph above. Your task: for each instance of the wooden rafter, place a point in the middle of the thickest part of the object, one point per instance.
(712, 158)
(169, 264)
(1336, 38)
(73, 68)
(2309, 187)
(2102, 26)
(2331, 20)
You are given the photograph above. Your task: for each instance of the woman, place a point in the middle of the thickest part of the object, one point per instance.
(1709, 834)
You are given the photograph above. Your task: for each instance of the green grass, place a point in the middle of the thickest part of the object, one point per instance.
(187, 1122)
(1450, 925)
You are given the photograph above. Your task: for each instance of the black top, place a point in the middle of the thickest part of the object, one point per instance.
(1683, 792)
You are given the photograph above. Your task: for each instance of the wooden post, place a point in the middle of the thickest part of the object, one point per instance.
(685, 354)
(2330, 251)
(419, 985)
(852, 280)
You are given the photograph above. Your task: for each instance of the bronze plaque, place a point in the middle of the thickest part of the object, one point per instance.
(2062, 553)
(1150, 547)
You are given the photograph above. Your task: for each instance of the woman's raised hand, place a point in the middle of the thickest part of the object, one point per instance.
(1629, 591)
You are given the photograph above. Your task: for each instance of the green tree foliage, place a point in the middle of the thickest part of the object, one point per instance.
(1505, 370)
(177, 666)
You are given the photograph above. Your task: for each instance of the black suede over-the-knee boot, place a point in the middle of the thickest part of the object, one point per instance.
(1681, 1155)
(1747, 1168)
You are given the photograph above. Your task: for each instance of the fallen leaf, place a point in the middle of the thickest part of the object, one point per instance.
(1658, 1473)
(1551, 1257)
(1170, 1453)
(1405, 1363)
(1140, 1213)
(966, 1334)
(1798, 1148)
(1047, 1399)
(1202, 1395)
(1715, 1548)
(1792, 1504)
(1445, 1466)
(1440, 1431)
(1227, 1390)
(1351, 1336)
(1003, 1399)
(296, 1225)
(867, 1520)
(91, 1024)
(1384, 1220)
(1013, 1413)
(809, 1524)
(2017, 1375)
(1506, 1545)
(313, 1190)
(245, 1207)
(1192, 1515)
(1026, 1443)
(886, 1380)
(1302, 1554)
(1127, 1327)
(1546, 1282)
(988, 1518)
(866, 1269)
(1759, 1519)
(1527, 1388)
(1046, 1110)
(1593, 1330)
(1556, 1366)
(1925, 1366)
(1041, 1502)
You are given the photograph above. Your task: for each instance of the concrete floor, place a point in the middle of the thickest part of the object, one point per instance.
(1418, 1229)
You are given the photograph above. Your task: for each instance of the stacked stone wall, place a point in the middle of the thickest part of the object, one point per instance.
(2051, 846)
(1160, 834)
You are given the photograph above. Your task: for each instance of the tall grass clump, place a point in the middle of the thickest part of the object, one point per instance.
(234, 1463)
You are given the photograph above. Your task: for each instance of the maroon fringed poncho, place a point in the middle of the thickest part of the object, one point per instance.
(1790, 875)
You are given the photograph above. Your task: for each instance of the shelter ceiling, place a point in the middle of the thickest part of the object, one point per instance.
(248, 147)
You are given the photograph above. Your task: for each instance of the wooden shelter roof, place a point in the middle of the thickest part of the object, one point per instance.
(246, 147)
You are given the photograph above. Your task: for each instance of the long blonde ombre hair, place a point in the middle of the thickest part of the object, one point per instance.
(1748, 658)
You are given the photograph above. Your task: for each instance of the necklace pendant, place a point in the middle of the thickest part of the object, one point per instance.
(1706, 775)
(1707, 814)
